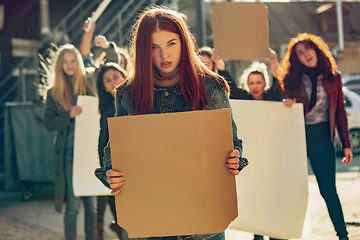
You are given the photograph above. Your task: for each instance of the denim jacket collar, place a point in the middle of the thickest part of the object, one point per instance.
(175, 89)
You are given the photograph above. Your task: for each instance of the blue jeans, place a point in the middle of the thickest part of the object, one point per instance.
(73, 205)
(211, 236)
(321, 153)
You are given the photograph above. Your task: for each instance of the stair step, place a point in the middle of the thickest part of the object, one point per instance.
(26, 71)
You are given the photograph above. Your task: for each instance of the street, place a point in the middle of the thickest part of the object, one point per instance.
(37, 219)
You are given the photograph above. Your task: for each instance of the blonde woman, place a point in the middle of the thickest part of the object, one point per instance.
(68, 81)
(255, 80)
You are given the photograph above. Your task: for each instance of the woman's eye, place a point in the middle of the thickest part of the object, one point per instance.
(170, 44)
(154, 47)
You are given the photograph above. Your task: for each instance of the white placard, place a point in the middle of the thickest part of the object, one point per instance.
(86, 157)
(97, 13)
(273, 189)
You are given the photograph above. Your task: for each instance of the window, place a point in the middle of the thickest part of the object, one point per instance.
(352, 82)
(347, 102)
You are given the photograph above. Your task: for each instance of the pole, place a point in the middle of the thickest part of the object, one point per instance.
(340, 25)
(201, 33)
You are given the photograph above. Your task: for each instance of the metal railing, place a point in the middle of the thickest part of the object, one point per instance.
(115, 23)
(71, 26)
(19, 84)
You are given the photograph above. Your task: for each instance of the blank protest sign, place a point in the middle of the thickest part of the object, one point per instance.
(240, 30)
(176, 182)
(273, 189)
(86, 156)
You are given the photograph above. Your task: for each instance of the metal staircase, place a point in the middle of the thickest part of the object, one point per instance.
(115, 23)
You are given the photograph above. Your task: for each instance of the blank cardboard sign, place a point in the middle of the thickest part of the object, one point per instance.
(176, 181)
(240, 30)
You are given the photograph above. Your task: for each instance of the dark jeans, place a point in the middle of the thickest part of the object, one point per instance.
(262, 237)
(321, 153)
(73, 205)
(102, 201)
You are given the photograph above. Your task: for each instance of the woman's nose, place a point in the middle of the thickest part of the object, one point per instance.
(306, 52)
(164, 54)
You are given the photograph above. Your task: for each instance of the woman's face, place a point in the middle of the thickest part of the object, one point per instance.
(208, 62)
(166, 52)
(306, 55)
(256, 84)
(69, 63)
(111, 79)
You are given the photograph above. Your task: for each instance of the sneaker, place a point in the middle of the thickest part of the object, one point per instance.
(117, 229)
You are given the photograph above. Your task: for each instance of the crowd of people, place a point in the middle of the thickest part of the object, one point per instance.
(166, 66)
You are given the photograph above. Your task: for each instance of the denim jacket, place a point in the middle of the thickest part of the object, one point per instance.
(168, 101)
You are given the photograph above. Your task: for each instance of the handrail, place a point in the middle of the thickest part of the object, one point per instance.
(112, 22)
(41, 43)
(62, 25)
(20, 66)
(128, 17)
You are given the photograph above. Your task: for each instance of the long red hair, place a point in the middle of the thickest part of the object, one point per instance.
(192, 71)
(291, 69)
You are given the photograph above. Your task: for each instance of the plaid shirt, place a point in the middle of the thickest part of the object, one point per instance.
(319, 113)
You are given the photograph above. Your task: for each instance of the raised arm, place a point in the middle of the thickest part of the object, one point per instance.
(272, 56)
(219, 62)
(85, 44)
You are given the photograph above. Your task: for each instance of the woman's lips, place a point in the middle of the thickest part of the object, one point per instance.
(166, 64)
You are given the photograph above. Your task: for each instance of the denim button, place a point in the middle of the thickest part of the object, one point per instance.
(166, 94)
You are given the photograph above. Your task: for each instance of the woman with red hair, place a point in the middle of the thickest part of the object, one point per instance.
(308, 75)
(169, 76)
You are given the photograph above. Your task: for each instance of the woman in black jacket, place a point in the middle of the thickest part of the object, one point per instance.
(212, 59)
(110, 75)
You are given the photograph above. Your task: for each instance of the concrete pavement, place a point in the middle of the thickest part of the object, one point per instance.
(37, 219)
